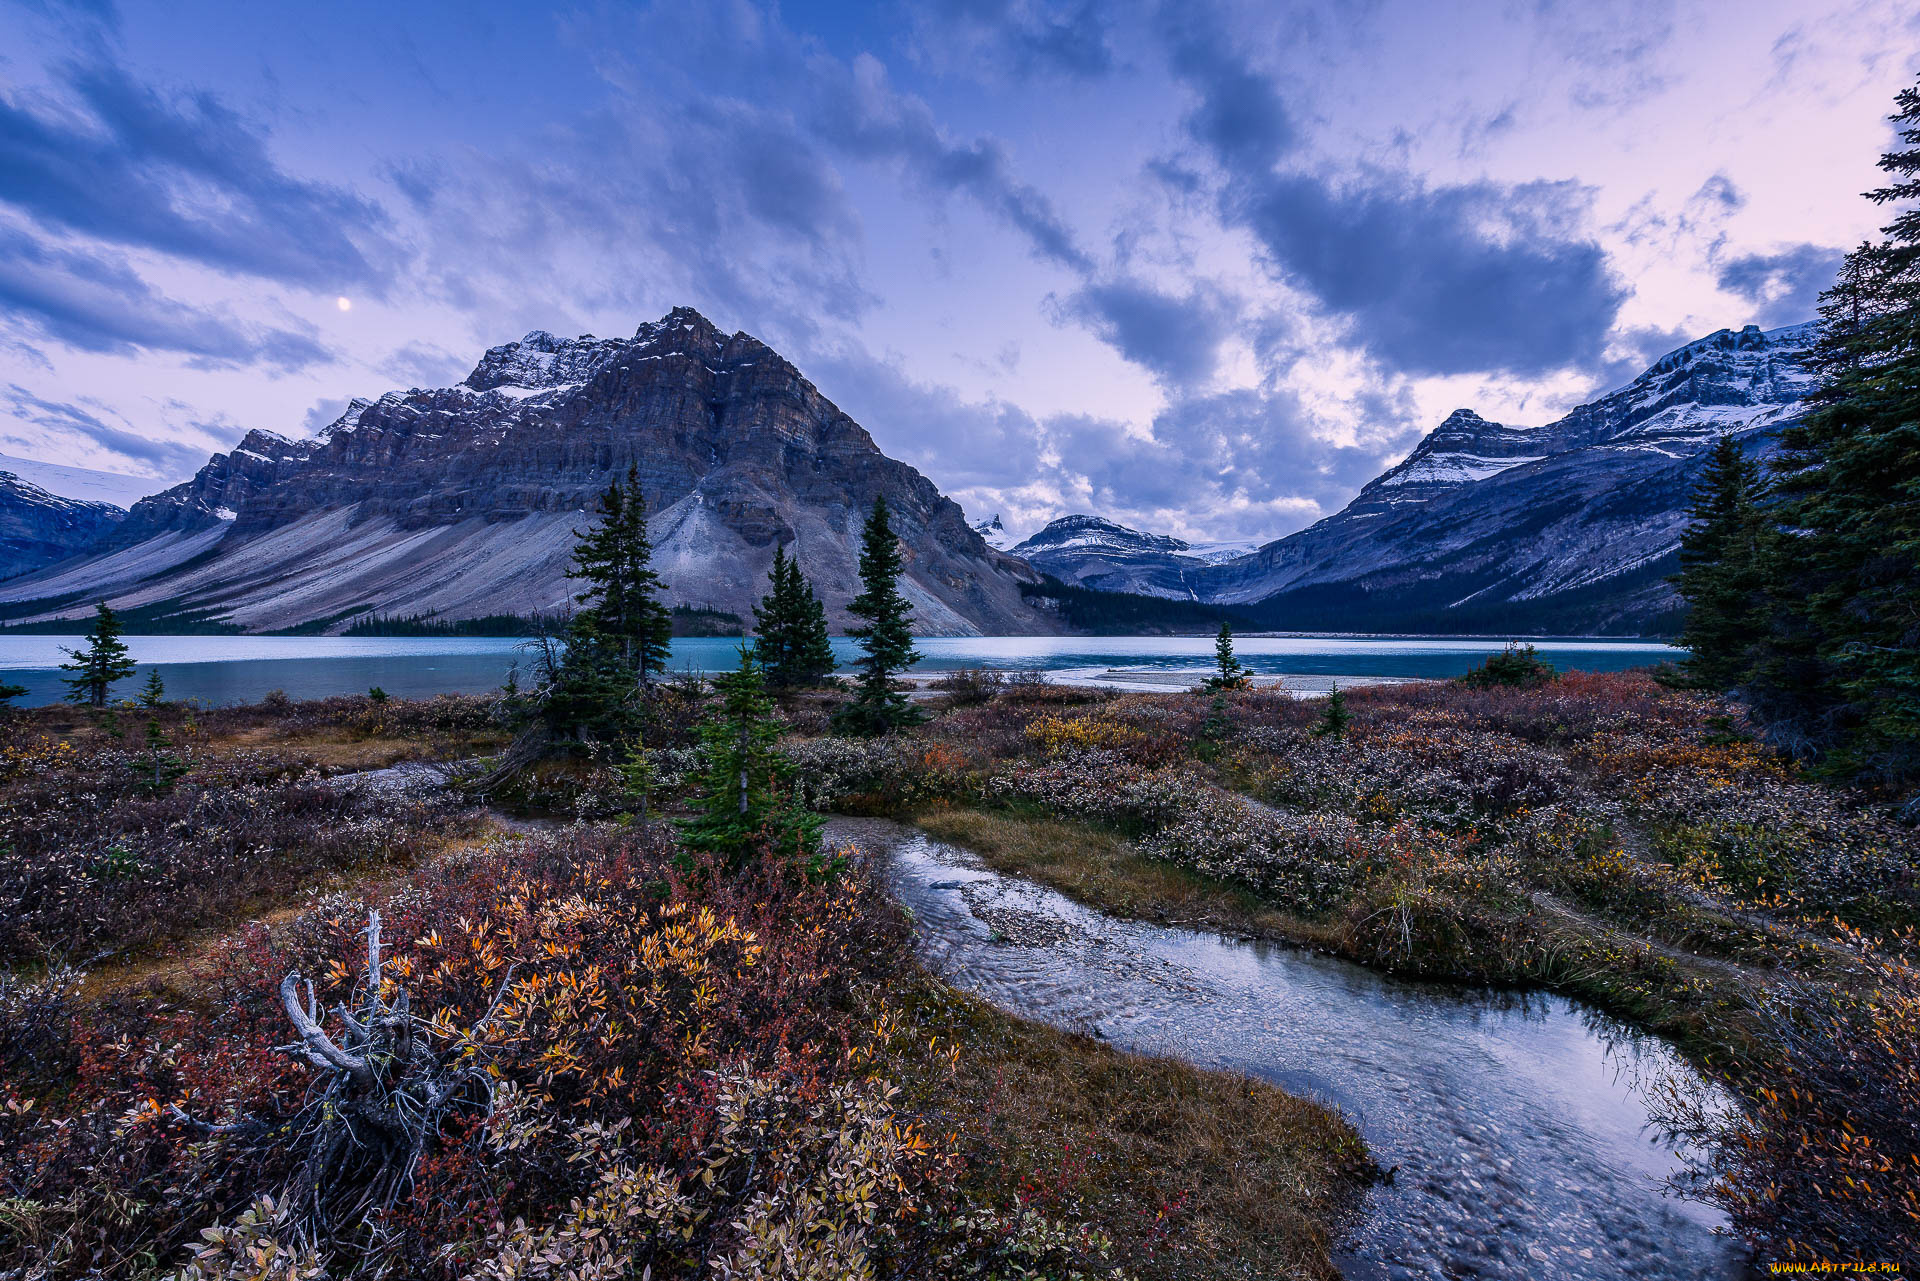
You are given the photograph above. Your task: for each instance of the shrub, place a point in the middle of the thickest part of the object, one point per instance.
(1821, 1160)
(971, 686)
(1519, 666)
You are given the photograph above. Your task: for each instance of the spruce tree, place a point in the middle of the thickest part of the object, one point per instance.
(773, 624)
(790, 628)
(743, 800)
(9, 692)
(622, 597)
(886, 641)
(1838, 675)
(1720, 570)
(104, 661)
(156, 767)
(1335, 718)
(1231, 674)
(617, 642)
(813, 657)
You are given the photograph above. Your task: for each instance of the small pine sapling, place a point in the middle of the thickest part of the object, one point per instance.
(1335, 719)
(158, 765)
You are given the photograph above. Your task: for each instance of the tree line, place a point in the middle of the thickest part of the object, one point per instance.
(596, 685)
(1802, 572)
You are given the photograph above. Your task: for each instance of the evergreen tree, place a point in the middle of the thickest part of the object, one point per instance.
(1335, 719)
(813, 657)
(622, 597)
(157, 766)
(790, 628)
(617, 642)
(1838, 673)
(773, 620)
(104, 661)
(1231, 675)
(886, 641)
(1720, 570)
(743, 800)
(9, 692)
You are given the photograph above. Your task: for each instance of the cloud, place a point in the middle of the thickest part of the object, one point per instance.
(1447, 279)
(163, 457)
(98, 303)
(1444, 280)
(858, 112)
(420, 364)
(1784, 286)
(184, 175)
(1177, 338)
(1022, 37)
(1248, 462)
(1240, 118)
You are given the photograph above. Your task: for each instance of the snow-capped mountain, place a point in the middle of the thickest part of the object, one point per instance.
(116, 489)
(463, 501)
(38, 528)
(993, 533)
(1571, 526)
(1095, 552)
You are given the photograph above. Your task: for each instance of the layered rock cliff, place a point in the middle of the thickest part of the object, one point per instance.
(463, 501)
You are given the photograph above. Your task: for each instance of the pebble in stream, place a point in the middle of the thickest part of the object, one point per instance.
(1517, 1123)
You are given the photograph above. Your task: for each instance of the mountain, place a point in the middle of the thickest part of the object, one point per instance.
(38, 528)
(463, 501)
(111, 487)
(1571, 527)
(1091, 551)
(993, 533)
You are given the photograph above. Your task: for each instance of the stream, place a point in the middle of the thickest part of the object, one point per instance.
(1518, 1124)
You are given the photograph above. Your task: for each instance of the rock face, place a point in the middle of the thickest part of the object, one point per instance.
(1092, 551)
(1571, 527)
(38, 528)
(463, 501)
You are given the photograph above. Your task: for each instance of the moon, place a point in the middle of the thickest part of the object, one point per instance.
(344, 304)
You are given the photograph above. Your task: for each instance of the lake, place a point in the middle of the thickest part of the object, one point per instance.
(238, 669)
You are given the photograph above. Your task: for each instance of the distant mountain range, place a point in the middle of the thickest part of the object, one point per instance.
(462, 501)
(1095, 552)
(1572, 527)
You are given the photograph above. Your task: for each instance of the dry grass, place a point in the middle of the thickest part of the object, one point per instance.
(1198, 1174)
(339, 750)
(1105, 870)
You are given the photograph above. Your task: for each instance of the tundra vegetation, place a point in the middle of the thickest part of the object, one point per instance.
(627, 1007)
(285, 1015)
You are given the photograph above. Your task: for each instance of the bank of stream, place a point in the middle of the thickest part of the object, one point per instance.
(1516, 1127)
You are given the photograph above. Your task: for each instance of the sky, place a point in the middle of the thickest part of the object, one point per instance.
(1202, 267)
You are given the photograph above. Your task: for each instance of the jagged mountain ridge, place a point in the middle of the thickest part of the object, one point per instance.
(39, 528)
(1572, 526)
(463, 501)
(1092, 551)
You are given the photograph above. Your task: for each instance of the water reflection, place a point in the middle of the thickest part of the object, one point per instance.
(229, 669)
(1518, 1123)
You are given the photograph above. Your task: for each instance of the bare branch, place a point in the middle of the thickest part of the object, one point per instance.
(319, 1045)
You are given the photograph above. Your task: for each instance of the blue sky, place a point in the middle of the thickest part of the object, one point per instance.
(1202, 267)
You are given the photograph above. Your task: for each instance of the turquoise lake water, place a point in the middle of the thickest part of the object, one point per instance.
(237, 669)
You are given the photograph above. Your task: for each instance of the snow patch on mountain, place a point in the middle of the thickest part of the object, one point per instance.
(83, 483)
(994, 533)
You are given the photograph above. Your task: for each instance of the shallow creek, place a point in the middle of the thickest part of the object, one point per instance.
(1518, 1124)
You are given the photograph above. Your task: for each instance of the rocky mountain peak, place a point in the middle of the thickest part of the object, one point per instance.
(993, 533)
(465, 500)
(38, 528)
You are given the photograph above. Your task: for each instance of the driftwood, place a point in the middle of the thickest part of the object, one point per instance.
(381, 1091)
(529, 747)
